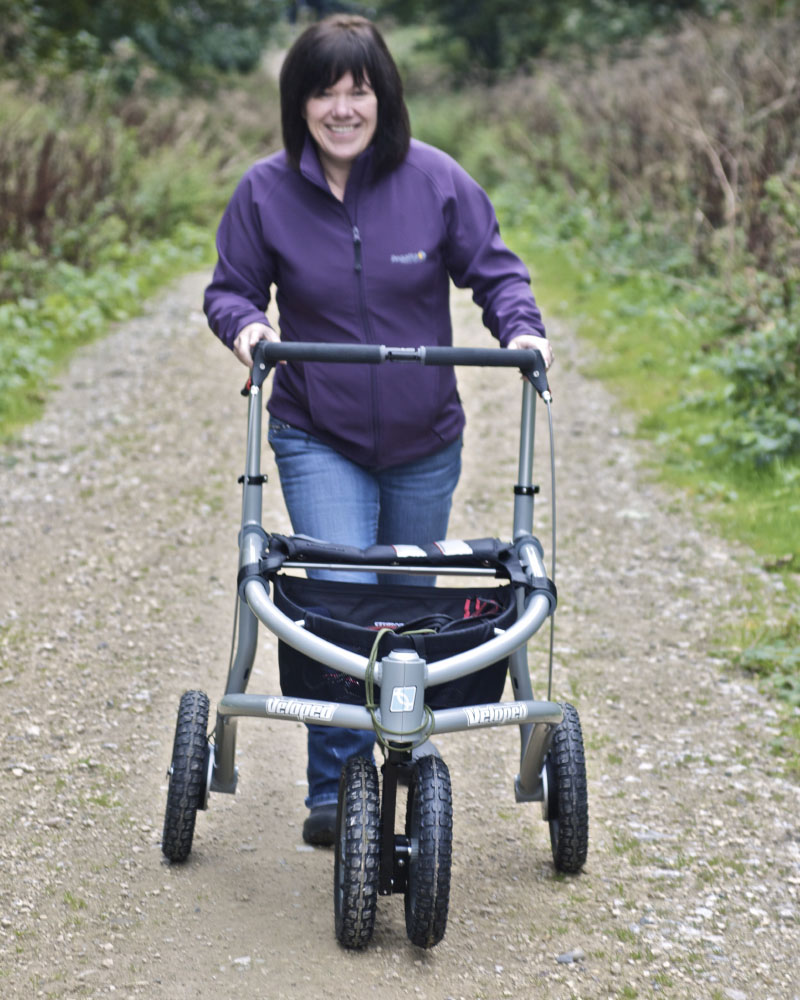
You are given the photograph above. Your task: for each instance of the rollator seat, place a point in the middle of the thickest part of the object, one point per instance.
(479, 553)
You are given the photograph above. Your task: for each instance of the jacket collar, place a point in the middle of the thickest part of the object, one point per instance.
(311, 169)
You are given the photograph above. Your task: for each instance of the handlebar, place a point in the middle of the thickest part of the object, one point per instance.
(529, 362)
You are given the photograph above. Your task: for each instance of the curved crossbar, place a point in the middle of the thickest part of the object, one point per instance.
(446, 720)
(355, 665)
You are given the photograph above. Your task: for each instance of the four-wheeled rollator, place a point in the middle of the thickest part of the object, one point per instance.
(404, 662)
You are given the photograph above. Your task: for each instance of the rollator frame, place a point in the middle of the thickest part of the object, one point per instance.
(371, 859)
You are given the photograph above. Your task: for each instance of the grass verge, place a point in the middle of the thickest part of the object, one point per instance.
(649, 334)
(40, 335)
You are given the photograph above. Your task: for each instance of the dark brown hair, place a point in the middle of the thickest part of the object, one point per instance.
(323, 53)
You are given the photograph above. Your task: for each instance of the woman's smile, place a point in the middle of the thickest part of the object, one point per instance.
(342, 120)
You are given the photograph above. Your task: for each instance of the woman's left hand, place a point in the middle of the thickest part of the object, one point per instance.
(530, 342)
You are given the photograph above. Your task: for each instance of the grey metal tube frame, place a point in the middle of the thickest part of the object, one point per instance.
(401, 715)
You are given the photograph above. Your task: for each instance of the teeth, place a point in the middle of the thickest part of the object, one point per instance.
(342, 128)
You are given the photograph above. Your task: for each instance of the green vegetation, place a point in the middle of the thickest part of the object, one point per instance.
(39, 334)
(74, 902)
(669, 177)
(190, 41)
(776, 656)
(508, 35)
(106, 195)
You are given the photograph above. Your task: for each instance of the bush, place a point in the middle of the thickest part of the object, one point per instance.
(184, 39)
(509, 35)
(103, 198)
(762, 373)
(775, 656)
(83, 171)
(683, 159)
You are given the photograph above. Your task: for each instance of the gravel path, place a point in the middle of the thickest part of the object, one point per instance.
(118, 520)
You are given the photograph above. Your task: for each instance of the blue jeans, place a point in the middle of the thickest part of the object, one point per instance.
(330, 497)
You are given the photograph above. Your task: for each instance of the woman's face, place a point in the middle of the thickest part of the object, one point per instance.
(342, 120)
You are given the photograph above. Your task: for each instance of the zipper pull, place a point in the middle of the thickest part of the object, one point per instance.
(357, 247)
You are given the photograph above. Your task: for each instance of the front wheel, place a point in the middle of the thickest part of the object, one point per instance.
(567, 800)
(429, 829)
(188, 776)
(356, 866)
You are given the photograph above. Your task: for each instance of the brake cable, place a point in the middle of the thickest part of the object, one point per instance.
(548, 402)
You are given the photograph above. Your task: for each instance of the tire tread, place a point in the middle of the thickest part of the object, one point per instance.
(357, 863)
(569, 823)
(188, 776)
(428, 892)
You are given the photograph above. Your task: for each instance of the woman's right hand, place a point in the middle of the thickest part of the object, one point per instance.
(248, 337)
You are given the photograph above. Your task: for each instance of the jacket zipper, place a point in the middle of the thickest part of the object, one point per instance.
(357, 265)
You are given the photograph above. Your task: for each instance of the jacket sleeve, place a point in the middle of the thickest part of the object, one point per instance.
(239, 292)
(477, 258)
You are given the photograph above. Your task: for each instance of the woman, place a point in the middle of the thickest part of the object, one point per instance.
(360, 229)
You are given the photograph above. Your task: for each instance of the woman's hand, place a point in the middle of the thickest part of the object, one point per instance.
(248, 337)
(531, 342)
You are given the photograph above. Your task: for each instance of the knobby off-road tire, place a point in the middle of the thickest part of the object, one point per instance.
(429, 828)
(356, 866)
(188, 774)
(567, 802)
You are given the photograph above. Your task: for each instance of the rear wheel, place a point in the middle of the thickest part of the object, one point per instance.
(567, 802)
(356, 866)
(188, 776)
(429, 829)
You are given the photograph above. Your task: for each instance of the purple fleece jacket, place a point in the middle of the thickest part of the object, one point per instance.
(373, 269)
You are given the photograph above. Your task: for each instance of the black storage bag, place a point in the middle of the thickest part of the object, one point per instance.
(350, 614)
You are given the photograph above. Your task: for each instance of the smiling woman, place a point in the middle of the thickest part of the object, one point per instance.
(361, 230)
(341, 120)
(348, 55)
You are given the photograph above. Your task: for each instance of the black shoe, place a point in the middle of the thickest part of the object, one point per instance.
(320, 825)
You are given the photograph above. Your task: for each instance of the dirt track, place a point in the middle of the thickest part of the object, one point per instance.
(118, 521)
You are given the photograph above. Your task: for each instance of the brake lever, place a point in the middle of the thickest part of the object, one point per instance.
(536, 374)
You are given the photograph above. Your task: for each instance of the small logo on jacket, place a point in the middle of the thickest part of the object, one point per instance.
(409, 258)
